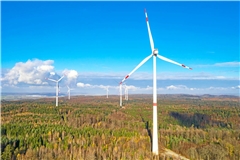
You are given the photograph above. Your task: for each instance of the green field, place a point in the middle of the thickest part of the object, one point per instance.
(95, 127)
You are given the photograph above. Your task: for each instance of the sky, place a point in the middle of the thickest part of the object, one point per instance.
(96, 44)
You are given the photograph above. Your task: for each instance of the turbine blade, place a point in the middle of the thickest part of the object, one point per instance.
(171, 61)
(149, 31)
(60, 78)
(139, 65)
(51, 80)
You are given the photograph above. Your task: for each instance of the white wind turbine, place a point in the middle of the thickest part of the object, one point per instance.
(120, 94)
(107, 90)
(126, 91)
(154, 54)
(68, 92)
(57, 89)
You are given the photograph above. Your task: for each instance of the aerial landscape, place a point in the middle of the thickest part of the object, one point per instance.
(120, 80)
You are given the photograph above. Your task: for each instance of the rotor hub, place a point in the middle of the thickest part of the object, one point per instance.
(155, 52)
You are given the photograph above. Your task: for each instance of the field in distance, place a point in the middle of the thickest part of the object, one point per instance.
(95, 127)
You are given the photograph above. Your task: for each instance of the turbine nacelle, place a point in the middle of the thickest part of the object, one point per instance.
(155, 52)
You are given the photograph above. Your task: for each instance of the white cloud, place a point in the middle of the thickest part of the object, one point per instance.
(30, 72)
(177, 87)
(222, 64)
(131, 87)
(138, 75)
(210, 76)
(44, 83)
(172, 87)
(9, 86)
(79, 84)
(149, 88)
(220, 77)
(217, 88)
(97, 89)
(38, 81)
(227, 64)
(35, 72)
(71, 77)
(88, 85)
(102, 86)
(52, 73)
(236, 87)
(71, 74)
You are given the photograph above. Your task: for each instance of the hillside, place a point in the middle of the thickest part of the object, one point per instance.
(95, 127)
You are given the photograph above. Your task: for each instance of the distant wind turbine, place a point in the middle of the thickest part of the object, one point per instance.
(57, 87)
(107, 90)
(154, 54)
(126, 91)
(68, 91)
(120, 94)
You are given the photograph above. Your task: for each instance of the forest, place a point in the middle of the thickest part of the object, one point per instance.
(97, 128)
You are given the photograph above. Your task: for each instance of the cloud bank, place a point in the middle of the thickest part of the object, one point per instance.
(30, 72)
(30, 76)
(222, 64)
(35, 72)
(227, 64)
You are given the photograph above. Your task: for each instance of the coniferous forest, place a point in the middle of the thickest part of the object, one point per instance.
(97, 128)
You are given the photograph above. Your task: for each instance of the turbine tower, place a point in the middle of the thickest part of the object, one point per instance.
(57, 89)
(126, 92)
(107, 90)
(120, 93)
(68, 92)
(154, 54)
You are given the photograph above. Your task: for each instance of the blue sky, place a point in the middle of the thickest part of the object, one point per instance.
(98, 43)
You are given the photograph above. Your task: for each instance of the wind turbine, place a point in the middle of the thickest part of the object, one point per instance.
(57, 87)
(107, 90)
(68, 91)
(126, 91)
(120, 94)
(153, 54)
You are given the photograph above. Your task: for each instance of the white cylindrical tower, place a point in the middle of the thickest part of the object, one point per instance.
(57, 94)
(155, 121)
(120, 90)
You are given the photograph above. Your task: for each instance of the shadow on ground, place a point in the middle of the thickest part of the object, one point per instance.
(197, 119)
